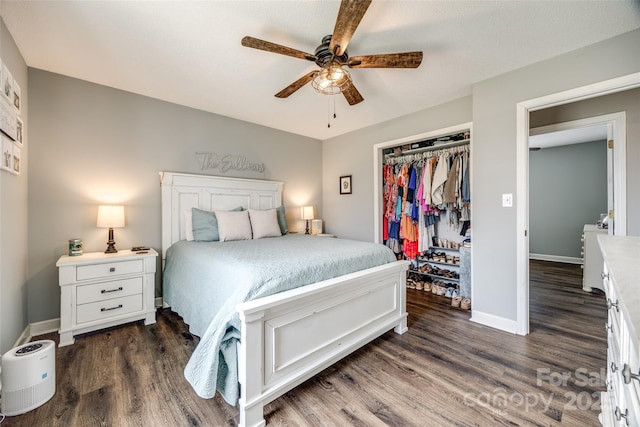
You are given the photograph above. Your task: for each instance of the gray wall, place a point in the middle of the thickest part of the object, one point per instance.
(494, 163)
(628, 101)
(351, 215)
(493, 157)
(13, 213)
(567, 189)
(92, 144)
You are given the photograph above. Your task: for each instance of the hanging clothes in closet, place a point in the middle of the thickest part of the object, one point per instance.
(418, 189)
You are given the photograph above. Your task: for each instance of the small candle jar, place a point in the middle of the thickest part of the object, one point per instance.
(75, 247)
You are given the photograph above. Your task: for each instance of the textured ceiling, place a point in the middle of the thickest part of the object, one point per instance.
(189, 52)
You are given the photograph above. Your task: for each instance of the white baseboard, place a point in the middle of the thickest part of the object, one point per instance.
(44, 327)
(24, 337)
(556, 258)
(493, 321)
(37, 328)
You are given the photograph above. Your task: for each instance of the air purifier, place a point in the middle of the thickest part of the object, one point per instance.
(28, 377)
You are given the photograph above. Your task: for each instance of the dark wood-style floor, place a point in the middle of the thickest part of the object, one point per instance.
(446, 371)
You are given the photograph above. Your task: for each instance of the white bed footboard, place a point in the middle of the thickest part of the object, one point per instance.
(291, 336)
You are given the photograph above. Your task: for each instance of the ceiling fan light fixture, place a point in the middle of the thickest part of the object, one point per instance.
(332, 79)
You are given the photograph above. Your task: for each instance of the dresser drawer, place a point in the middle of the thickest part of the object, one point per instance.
(631, 406)
(100, 271)
(107, 290)
(109, 308)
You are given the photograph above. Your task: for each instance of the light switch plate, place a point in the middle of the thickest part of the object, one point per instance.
(507, 200)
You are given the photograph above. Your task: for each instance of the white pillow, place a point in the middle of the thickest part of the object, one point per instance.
(264, 223)
(233, 225)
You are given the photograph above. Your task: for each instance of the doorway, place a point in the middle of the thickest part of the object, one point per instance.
(522, 211)
(572, 183)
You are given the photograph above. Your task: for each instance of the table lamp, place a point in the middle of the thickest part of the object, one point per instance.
(110, 217)
(307, 215)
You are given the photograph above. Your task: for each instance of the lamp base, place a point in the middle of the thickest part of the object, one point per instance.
(111, 244)
(306, 231)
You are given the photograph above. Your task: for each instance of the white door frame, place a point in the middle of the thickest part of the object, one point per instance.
(523, 109)
(616, 124)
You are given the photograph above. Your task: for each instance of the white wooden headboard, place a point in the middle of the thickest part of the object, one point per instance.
(181, 192)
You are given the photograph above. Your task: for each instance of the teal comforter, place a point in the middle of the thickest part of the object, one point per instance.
(204, 281)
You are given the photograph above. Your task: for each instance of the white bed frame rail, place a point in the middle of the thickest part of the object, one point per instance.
(289, 337)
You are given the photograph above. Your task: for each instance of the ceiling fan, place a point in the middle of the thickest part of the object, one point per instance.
(332, 57)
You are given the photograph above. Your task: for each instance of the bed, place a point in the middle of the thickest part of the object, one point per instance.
(262, 342)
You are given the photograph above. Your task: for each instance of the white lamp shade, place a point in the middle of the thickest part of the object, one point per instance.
(307, 212)
(110, 216)
(316, 226)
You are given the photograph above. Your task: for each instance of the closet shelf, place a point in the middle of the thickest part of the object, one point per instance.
(446, 249)
(452, 279)
(439, 262)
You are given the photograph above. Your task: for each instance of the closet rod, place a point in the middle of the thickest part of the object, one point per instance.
(454, 147)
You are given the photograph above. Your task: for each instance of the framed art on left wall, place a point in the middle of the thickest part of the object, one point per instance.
(7, 153)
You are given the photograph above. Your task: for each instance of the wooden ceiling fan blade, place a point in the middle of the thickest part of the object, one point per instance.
(352, 95)
(349, 17)
(387, 60)
(284, 93)
(255, 43)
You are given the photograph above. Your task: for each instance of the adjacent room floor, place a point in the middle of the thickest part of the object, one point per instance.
(445, 371)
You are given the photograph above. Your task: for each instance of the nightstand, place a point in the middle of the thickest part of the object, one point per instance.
(99, 290)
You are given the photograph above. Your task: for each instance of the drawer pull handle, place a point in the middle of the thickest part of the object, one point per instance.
(106, 291)
(612, 304)
(627, 375)
(604, 275)
(112, 269)
(111, 308)
(613, 367)
(607, 326)
(619, 415)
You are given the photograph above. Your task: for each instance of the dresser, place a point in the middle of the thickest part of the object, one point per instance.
(99, 290)
(591, 257)
(620, 404)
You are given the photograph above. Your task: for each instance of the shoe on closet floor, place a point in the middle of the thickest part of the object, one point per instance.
(455, 301)
(465, 304)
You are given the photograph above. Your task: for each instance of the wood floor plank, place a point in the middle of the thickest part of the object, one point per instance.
(445, 371)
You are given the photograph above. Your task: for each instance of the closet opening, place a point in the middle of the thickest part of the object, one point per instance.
(423, 210)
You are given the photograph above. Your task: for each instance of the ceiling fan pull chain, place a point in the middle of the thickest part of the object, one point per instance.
(328, 114)
(334, 107)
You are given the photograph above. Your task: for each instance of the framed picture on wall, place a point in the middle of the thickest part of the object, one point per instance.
(17, 96)
(17, 155)
(19, 130)
(7, 154)
(345, 184)
(7, 83)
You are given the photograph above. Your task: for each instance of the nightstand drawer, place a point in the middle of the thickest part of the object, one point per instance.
(99, 271)
(107, 290)
(109, 308)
